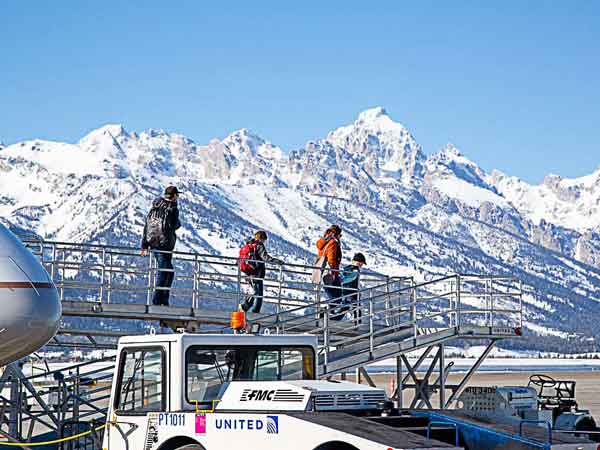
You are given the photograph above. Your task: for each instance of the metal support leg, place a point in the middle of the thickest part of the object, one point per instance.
(399, 383)
(469, 374)
(446, 373)
(423, 386)
(416, 366)
(367, 377)
(419, 392)
(442, 377)
(13, 412)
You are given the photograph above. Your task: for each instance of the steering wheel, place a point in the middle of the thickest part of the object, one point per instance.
(542, 380)
(230, 359)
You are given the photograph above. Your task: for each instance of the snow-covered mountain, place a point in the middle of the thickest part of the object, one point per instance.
(410, 213)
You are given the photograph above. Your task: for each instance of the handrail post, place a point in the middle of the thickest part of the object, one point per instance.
(195, 283)
(520, 303)
(388, 304)
(239, 284)
(451, 306)
(76, 394)
(326, 337)
(53, 266)
(371, 330)
(62, 287)
(150, 278)
(492, 300)
(318, 303)
(110, 277)
(413, 311)
(279, 297)
(102, 269)
(458, 304)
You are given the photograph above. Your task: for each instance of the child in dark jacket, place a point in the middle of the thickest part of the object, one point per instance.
(350, 286)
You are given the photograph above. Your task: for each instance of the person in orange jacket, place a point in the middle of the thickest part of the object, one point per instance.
(330, 247)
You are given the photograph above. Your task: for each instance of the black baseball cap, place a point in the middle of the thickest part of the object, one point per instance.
(359, 257)
(171, 190)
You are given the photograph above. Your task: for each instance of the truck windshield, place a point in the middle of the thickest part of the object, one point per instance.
(140, 385)
(208, 368)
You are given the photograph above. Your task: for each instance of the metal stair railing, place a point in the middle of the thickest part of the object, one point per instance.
(390, 309)
(463, 304)
(46, 400)
(113, 275)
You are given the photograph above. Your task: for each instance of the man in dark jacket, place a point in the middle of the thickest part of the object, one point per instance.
(159, 235)
(261, 257)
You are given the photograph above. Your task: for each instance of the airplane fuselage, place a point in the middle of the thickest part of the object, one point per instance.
(30, 308)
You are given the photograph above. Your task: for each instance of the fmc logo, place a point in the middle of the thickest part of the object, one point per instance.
(249, 395)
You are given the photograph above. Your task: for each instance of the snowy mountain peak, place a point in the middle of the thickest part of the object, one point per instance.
(157, 132)
(450, 151)
(246, 143)
(372, 114)
(386, 147)
(246, 135)
(374, 121)
(452, 158)
(111, 131)
(377, 121)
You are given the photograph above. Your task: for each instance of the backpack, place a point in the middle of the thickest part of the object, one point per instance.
(247, 254)
(156, 225)
(350, 276)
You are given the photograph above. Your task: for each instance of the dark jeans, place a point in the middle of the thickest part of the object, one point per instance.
(255, 299)
(334, 294)
(353, 301)
(164, 278)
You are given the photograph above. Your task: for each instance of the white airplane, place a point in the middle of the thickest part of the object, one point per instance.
(30, 308)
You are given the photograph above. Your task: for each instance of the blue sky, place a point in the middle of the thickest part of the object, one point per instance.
(514, 85)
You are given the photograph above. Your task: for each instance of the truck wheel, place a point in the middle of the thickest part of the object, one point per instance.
(191, 447)
(336, 445)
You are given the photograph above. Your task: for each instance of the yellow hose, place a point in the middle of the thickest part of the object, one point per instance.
(55, 441)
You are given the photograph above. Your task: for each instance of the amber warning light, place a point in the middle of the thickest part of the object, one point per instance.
(238, 320)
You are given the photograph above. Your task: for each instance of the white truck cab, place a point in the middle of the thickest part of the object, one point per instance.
(214, 391)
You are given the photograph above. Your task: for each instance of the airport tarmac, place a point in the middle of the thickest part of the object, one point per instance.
(587, 387)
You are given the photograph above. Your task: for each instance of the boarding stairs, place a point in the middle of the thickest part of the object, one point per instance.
(108, 291)
(113, 286)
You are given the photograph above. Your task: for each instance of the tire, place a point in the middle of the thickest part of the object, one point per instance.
(180, 443)
(336, 445)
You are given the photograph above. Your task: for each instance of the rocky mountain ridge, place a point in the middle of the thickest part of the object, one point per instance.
(412, 214)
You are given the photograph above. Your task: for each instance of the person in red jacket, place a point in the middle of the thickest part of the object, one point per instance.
(330, 247)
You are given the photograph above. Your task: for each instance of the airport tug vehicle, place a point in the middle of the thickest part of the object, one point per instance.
(218, 391)
(187, 391)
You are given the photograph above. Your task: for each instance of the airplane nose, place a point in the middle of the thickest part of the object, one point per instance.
(30, 308)
(29, 318)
